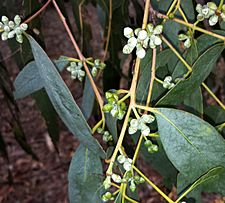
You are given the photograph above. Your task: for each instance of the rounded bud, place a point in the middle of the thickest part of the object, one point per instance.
(128, 32)
(11, 24)
(19, 38)
(142, 35)
(4, 36)
(24, 26)
(121, 159)
(17, 19)
(94, 71)
(107, 107)
(6, 28)
(148, 143)
(11, 34)
(5, 20)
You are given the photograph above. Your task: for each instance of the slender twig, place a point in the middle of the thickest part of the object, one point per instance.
(132, 97)
(193, 26)
(213, 95)
(137, 149)
(190, 70)
(38, 12)
(109, 30)
(81, 57)
(153, 185)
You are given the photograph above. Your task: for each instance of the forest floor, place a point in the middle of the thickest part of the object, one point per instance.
(45, 181)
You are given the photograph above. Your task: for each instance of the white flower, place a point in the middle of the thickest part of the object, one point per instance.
(116, 178)
(121, 159)
(140, 52)
(142, 35)
(128, 32)
(186, 38)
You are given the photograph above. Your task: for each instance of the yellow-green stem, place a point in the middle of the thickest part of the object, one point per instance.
(137, 149)
(160, 15)
(153, 185)
(97, 126)
(214, 96)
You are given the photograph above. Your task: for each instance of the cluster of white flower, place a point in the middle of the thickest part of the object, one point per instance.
(167, 83)
(210, 11)
(187, 38)
(142, 39)
(76, 70)
(140, 124)
(11, 29)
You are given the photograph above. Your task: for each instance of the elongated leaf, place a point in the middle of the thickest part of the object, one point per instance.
(88, 99)
(62, 99)
(28, 81)
(85, 177)
(201, 69)
(191, 144)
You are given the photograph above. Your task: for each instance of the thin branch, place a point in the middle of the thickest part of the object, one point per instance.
(38, 12)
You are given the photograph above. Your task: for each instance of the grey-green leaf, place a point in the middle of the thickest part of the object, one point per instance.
(62, 99)
(28, 81)
(201, 69)
(85, 177)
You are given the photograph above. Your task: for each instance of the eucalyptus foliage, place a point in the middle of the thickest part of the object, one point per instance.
(163, 112)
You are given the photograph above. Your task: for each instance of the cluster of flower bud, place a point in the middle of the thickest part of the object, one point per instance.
(108, 196)
(187, 38)
(167, 83)
(98, 65)
(114, 107)
(142, 39)
(106, 136)
(140, 124)
(152, 148)
(10, 29)
(210, 11)
(76, 70)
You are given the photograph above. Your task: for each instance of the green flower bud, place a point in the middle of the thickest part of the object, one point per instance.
(152, 149)
(107, 107)
(132, 186)
(107, 182)
(148, 143)
(94, 71)
(108, 95)
(136, 178)
(100, 130)
(123, 106)
(112, 100)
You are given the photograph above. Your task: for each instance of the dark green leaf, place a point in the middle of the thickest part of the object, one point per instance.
(191, 144)
(85, 177)
(62, 99)
(88, 99)
(201, 69)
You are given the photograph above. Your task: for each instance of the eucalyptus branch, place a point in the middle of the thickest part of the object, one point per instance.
(81, 57)
(38, 12)
(190, 25)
